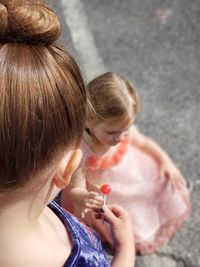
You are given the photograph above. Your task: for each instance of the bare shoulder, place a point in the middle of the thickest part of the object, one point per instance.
(134, 129)
(136, 136)
(37, 247)
(29, 257)
(15, 258)
(134, 132)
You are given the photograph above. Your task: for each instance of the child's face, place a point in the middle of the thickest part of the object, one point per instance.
(111, 132)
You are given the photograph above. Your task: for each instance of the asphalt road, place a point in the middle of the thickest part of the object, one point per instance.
(155, 44)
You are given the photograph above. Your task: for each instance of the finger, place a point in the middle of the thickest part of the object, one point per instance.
(182, 180)
(99, 198)
(82, 215)
(98, 201)
(84, 212)
(112, 213)
(89, 205)
(98, 204)
(95, 202)
(93, 194)
(101, 218)
(178, 181)
(117, 210)
(177, 184)
(98, 216)
(171, 179)
(96, 209)
(174, 183)
(108, 215)
(92, 205)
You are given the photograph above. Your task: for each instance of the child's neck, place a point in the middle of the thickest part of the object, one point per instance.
(94, 143)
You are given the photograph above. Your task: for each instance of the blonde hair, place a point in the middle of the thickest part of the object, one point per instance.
(43, 98)
(112, 97)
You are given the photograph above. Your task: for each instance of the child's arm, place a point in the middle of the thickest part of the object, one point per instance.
(168, 168)
(77, 192)
(123, 235)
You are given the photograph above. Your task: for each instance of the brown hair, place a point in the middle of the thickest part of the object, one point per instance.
(43, 98)
(112, 96)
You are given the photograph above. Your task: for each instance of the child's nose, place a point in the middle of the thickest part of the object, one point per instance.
(123, 135)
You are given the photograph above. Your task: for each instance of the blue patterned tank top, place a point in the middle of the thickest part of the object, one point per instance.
(87, 249)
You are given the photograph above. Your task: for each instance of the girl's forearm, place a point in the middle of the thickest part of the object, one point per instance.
(124, 257)
(78, 194)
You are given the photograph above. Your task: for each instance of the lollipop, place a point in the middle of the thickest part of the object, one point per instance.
(105, 190)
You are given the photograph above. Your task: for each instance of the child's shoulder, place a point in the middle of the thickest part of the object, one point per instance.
(133, 130)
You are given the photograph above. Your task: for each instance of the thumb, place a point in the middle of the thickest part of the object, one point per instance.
(108, 215)
(113, 213)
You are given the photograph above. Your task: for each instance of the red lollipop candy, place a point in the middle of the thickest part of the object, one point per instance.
(105, 189)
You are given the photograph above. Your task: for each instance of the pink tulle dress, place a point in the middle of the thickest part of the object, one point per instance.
(156, 207)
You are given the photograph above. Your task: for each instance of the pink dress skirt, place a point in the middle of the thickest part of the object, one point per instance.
(157, 209)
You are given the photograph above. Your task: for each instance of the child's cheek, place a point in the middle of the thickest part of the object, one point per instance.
(107, 137)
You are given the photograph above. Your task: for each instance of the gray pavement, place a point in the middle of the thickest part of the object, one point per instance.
(155, 44)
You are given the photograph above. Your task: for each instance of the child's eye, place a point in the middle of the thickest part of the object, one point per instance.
(112, 133)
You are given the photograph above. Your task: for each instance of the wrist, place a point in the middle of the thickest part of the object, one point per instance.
(163, 159)
(122, 246)
(128, 252)
(78, 195)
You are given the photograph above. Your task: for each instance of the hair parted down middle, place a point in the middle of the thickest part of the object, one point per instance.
(43, 98)
(112, 97)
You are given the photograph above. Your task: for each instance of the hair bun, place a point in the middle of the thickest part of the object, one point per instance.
(28, 22)
(3, 20)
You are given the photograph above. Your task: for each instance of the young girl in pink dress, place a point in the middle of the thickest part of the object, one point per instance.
(143, 178)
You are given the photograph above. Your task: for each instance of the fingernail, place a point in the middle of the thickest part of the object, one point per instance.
(102, 210)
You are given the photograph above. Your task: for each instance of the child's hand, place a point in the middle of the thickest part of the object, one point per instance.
(92, 200)
(171, 172)
(121, 226)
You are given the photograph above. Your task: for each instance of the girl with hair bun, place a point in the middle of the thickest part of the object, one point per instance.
(42, 118)
(143, 178)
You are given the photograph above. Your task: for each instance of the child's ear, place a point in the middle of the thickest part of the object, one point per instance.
(67, 167)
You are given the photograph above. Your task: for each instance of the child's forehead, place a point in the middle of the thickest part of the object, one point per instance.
(119, 123)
